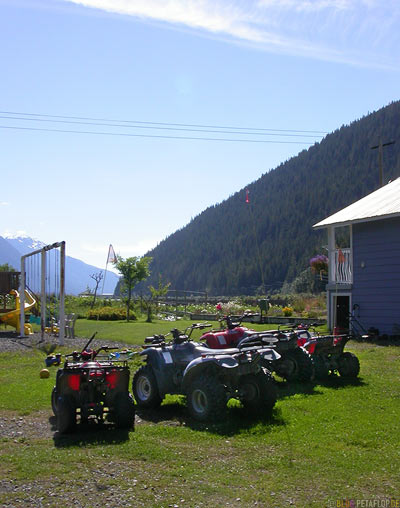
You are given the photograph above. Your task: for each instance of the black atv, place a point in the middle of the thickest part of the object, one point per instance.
(208, 378)
(93, 386)
(295, 363)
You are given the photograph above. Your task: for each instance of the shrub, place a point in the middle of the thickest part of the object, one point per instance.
(287, 311)
(299, 304)
(109, 314)
(309, 314)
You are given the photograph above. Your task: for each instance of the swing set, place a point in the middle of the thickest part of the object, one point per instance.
(43, 272)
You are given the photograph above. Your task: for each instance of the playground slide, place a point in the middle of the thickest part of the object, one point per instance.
(12, 318)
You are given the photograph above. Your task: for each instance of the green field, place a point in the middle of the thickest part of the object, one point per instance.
(134, 332)
(324, 443)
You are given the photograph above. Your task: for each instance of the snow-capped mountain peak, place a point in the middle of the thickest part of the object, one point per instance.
(78, 273)
(23, 242)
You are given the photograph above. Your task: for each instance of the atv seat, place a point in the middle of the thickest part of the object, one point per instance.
(257, 339)
(210, 351)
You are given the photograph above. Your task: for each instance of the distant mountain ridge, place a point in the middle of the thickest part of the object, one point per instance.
(78, 273)
(232, 247)
(9, 254)
(23, 243)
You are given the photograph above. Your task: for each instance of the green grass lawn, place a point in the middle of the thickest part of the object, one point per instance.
(134, 332)
(324, 443)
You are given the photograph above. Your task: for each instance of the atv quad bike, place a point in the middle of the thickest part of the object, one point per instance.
(327, 353)
(295, 363)
(93, 386)
(208, 378)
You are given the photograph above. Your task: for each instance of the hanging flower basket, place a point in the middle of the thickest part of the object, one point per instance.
(319, 264)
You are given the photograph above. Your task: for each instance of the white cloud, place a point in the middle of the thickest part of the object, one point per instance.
(334, 30)
(4, 203)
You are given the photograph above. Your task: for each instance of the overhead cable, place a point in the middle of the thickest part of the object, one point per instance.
(161, 128)
(164, 123)
(126, 134)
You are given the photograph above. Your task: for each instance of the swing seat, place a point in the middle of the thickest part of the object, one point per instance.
(70, 325)
(52, 330)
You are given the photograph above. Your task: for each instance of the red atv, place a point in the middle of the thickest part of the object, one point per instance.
(327, 353)
(295, 363)
(93, 386)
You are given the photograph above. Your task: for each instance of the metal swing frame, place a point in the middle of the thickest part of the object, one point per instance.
(43, 295)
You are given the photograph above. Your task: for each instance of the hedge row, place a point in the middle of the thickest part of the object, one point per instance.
(110, 314)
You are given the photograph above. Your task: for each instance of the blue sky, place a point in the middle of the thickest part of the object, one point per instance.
(286, 65)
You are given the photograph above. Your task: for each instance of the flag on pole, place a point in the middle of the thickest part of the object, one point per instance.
(247, 196)
(112, 258)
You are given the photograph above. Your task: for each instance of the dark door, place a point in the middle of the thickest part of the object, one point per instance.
(342, 312)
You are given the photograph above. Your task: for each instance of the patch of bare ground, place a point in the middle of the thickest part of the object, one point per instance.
(11, 342)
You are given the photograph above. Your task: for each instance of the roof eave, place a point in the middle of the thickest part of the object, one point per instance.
(319, 225)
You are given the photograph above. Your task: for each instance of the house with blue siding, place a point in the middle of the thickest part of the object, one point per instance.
(364, 262)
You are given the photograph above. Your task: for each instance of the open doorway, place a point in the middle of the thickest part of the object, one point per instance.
(341, 312)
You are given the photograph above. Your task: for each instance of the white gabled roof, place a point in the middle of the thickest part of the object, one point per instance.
(382, 204)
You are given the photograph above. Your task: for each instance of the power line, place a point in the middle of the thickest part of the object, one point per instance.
(165, 123)
(160, 128)
(125, 134)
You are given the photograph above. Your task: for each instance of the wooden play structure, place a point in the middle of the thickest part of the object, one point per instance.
(11, 303)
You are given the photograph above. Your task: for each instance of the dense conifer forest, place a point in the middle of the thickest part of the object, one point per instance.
(224, 249)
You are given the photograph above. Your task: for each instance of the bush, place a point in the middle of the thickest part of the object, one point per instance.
(109, 314)
(299, 304)
(287, 311)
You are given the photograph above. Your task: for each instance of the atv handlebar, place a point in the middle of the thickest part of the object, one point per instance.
(301, 326)
(232, 320)
(155, 339)
(75, 353)
(197, 326)
(85, 353)
(178, 335)
(88, 343)
(105, 348)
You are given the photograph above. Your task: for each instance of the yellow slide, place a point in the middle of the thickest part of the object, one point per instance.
(12, 318)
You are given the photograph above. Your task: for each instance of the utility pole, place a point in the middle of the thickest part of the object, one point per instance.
(380, 158)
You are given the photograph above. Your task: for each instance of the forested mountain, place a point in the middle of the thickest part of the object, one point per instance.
(217, 251)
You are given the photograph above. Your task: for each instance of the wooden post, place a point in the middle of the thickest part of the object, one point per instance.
(380, 161)
(380, 158)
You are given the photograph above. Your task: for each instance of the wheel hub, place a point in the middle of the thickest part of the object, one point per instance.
(143, 388)
(199, 401)
(288, 367)
(249, 392)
